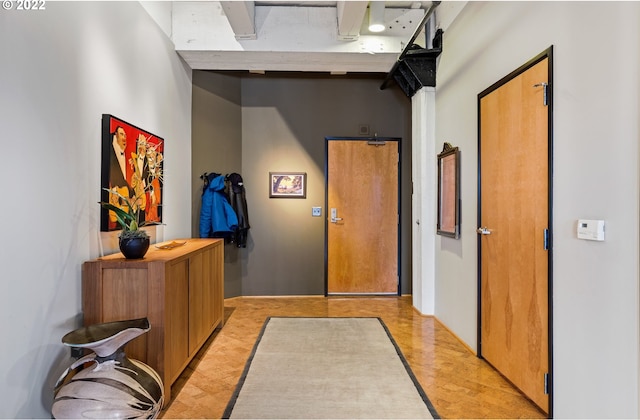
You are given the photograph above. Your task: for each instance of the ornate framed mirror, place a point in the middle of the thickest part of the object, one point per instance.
(449, 192)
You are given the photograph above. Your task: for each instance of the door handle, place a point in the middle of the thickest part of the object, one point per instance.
(334, 216)
(483, 231)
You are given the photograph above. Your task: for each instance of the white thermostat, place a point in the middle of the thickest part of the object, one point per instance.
(592, 230)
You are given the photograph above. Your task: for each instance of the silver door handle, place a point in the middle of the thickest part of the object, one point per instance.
(334, 216)
(483, 231)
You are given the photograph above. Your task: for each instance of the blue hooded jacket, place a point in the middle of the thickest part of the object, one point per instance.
(217, 218)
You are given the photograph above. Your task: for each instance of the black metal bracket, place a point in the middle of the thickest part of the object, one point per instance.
(416, 66)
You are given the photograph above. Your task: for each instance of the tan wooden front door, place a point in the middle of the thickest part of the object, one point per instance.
(513, 231)
(362, 216)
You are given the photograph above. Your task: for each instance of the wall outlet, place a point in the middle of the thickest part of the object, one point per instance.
(316, 211)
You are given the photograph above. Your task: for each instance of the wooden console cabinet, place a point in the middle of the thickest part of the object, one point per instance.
(180, 291)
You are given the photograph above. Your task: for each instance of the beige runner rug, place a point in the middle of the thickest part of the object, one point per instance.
(328, 368)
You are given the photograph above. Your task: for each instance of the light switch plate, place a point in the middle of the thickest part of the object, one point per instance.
(316, 211)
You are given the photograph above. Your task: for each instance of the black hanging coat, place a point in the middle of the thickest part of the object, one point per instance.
(238, 201)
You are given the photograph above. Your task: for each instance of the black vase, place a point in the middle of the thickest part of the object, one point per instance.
(134, 248)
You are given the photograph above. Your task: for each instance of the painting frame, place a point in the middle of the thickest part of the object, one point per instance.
(133, 174)
(295, 187)
(448, 223)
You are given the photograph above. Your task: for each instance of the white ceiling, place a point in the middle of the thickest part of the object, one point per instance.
(312, 36)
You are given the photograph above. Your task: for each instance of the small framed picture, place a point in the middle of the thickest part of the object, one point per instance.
(287, 185)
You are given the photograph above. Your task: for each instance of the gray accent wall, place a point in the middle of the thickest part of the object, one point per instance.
(216, 147)
(284, 122)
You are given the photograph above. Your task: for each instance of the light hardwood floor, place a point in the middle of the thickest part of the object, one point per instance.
(459, 384)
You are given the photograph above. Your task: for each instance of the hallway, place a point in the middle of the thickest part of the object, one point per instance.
(458, 383)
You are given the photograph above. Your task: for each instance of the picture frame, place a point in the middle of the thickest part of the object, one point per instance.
(287, 185)
(448, 223)
(130, 171)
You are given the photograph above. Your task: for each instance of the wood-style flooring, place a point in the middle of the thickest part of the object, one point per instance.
(459, 384)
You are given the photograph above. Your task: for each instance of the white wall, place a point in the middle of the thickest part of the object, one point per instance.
(596, 135)
(61, 69)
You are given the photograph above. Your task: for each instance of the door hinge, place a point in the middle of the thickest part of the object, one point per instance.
(546, 239)
(545, 97)
(546, 383)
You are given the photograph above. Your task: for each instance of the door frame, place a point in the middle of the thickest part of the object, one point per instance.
(547, 54)
(326, 204)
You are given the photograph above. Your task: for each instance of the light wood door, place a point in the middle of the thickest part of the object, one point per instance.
(514, 216)
(362, 216)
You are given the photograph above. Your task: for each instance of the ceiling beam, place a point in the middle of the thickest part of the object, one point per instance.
(242, 18)
(350, 16)
(261, 61)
